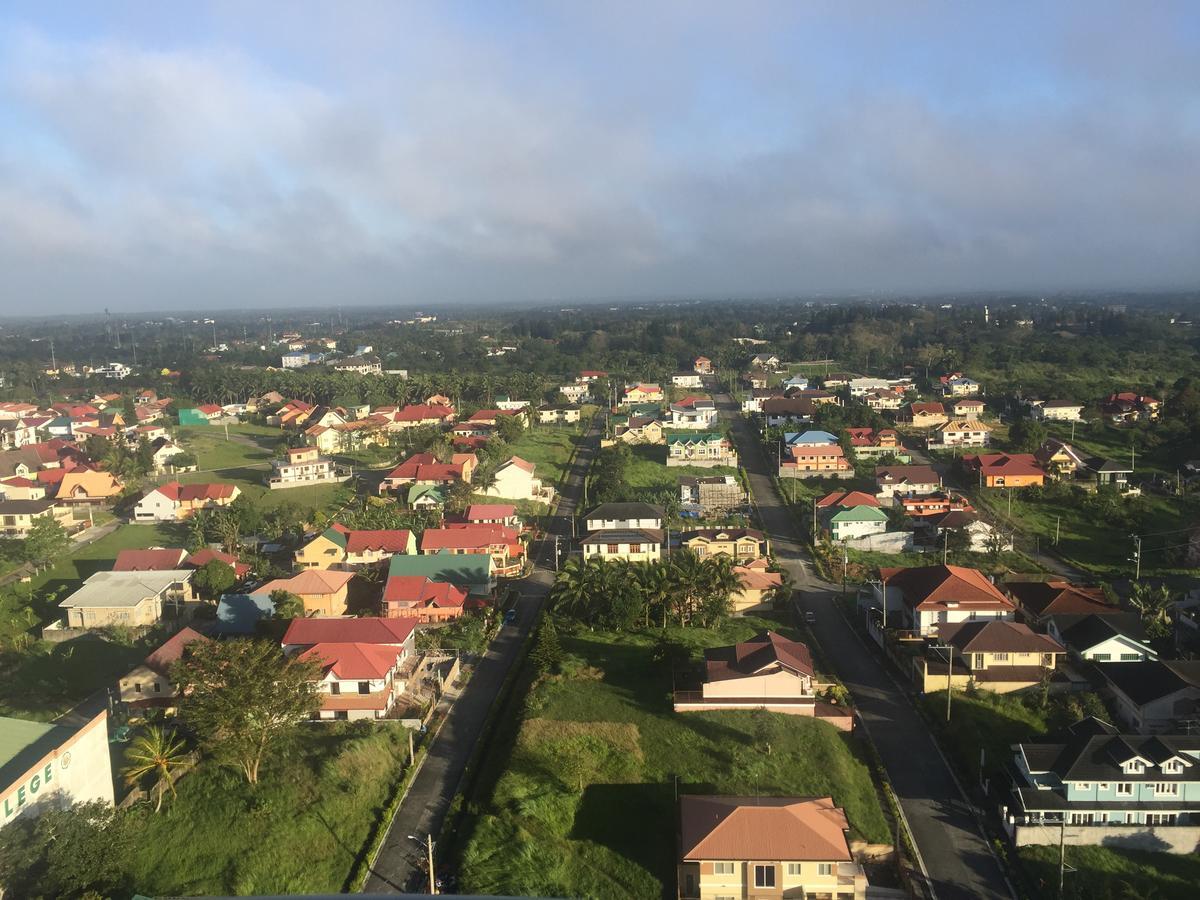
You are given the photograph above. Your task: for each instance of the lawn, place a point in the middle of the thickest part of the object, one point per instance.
(987, 721)
(1102, 873)
(299, 831)
(45, 680)
(580, 795)
(549, 447)
(648, 470)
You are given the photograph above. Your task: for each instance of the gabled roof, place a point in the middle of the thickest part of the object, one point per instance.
(927, 409)
(470, 570)
(365, 630)
(478, 512)
(622, 511)
(861, 513)
(1088, 631)
(349, 661)
(936, 587)
(1145, 682)
(997, 636)
(212, 491)
(1004, 464)
(847, 498)
(384, 540)
(422, 591)
(752, 656)
(207, 555)
(756, 828)
(152, 560)
(469, 536)
(162, 658)
(309, 582)
(1057, 597)
(906, 475)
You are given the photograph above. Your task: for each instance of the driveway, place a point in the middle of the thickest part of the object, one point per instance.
(424, 807)
(958, 860)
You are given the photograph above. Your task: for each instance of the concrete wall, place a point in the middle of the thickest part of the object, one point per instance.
(1164, 839)
(774, 684)
(888, 542)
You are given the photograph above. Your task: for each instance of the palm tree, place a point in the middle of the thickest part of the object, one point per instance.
(1153, 604)
(656, 587)
(720, 581)
(155, 752)
(573, 587)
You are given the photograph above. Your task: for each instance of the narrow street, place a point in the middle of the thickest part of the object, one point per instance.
(431, 792)
(959, 863)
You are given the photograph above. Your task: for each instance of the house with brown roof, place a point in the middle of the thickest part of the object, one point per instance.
(17, 517)
(959, 433)
(869, 443)
(424, 468)
(739, 544)
(1037, 601)
(156, 559)
(923, 415)
(149, 685)
(323, 592)
(493, 514)
(900, 481)
(926, 598)
(757, 587)
(766, 672)
(997, 655)
(766, 847)
(207, 555)
(917, 506)
(174, 501)
(365, 662)
(1007, 470)
(779, 411)
(967, 408)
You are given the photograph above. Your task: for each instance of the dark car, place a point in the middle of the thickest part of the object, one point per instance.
(510, 617)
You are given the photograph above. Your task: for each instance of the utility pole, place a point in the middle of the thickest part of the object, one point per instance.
(1137, 556)
(1057, 523)
(1062, 852)
(949, 679)
(845, 565)
(945, 546)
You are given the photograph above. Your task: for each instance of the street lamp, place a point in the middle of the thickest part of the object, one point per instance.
(428, 844)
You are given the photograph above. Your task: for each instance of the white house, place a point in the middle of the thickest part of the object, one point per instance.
(575, 393)
(927, 597)
(632, 544)
(693, 413)
(1099, 639)
(1057, 411)
(515, 481)
(624, 515)
(687, 380)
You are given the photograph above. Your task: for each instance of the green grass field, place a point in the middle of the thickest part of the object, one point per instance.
(582, 788)
(299, 831)
(1102, 873)
(987, 721)
(648, 470)
(549, 447)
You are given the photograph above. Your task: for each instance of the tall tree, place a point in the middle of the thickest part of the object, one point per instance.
(242, 698)
(45, 542)
(156, 752)
(214, 578)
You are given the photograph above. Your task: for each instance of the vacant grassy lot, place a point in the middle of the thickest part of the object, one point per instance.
(987, 721)
(549, 447)
(1108, 874)
(648, 470)
(583, 802)
(298, 831)
(45, 680)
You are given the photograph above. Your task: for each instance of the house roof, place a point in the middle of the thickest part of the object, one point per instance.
(954, 518)
(354, 661)
(210, 491)
(1087, 631)
(207, 555)
(162, 658)
(469, 570)
(748, 657)
(1048, 598)
(365, 630)
(1005, 463)
(469, 536)
(722, 534)
(997, 636)
(1098, 755)
(937, 587)
(622, 511)
(116, 589)
(887, 475)
(789, 406)
(861, 513)
(810, 437)
(477, 512)
(1145, 682)
(819, 452)
(420, 590)
(384, 540)
(239, 613)
(927, 409)
(749, 828)
(847, 498)
(309, 582)
(756, 577)
(24, 507)
(154, 559)
(516, 462)
(624, 536)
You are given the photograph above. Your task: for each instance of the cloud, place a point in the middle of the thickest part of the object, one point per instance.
(419, 159)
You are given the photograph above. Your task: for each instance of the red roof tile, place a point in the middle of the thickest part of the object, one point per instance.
(367, 630)
(162, 658)
(157, 559)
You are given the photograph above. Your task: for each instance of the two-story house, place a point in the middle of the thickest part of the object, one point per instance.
(925, 598)
(923, 415)
(959, 433)
(766, 847)
(631, 531)
(1108, 787)
(900, 481)
(997, 655)
(424, 468)
(502, 543)
(1006, 470)
(1155, 695)
(301, 466)
(365, 663)
(174, 501)
(339, 547)
(739, 544)
(822, 461)
(693, 413)
(698, 448)
(323, 592)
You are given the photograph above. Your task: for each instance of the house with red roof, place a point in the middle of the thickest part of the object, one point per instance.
(365, 662)
(160, 559)
(493, 514)
(502, 543)
(1129, 406)
(756, 588)
(19, 488)
(515, 480)
(924, 598)
(869, 443)
(939, 502)
(766, 672)
(923, 415)
(426, 600)
(339, 547)
(1006, 470)
(174, 501)
(424, 468)
(702, 365)
(323, 592)
(847, 499)
(207, 555)
(149, 685)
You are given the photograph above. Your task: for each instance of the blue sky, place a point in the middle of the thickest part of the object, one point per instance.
(157, 156)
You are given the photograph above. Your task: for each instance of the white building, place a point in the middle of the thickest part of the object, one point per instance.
(1057, 411)
(49, 766)
(687, 380)
(624, 515)
(632, 544)
(303, 465)
(515, 480)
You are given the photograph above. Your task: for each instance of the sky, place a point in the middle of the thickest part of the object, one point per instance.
(158, 156)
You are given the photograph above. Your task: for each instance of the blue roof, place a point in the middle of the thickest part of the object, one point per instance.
(239, 613)
(810, 437)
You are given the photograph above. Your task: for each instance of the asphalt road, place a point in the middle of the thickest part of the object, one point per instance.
(956, 857)
(424, 808)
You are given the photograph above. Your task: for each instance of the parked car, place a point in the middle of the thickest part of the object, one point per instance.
(510, 617)
(810, 617)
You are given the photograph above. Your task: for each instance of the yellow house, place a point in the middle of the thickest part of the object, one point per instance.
(18, 516)
(642, 430)
(997, 655)
(338, 547)
(741, 544)
(88, 486)
(757, 587)
(766, 847)
(323, 593)
(644, 393)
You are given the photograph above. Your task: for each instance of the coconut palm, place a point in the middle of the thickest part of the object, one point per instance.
(155, 752)
(573, 588)
(1153, 604)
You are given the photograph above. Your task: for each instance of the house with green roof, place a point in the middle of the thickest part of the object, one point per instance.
(473, 571)
(44, 764)
(700, 448)
(426, 496)
(849, 522)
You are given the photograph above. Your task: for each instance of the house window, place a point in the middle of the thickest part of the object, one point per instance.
(341, 715)
(1160, 818)
(364, 687)
(794, 868)
(157, 688)
(1134, 766)
(722, 868)
(1083, 786)
(614, 549)
(824, 868)
(1130, 657)
(764, 876)
(1101, 657)
(1124, 789)
(335, 688)
(1000, 657)
(137, 687)
(1170, 788)
(1171, 765)
(635, 548)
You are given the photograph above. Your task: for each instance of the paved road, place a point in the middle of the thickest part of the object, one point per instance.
(958, 860)
(429, 797)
